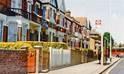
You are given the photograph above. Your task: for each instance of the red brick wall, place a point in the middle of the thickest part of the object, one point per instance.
(117, 52)
(13, 62)
(31, 65)
(6, 3)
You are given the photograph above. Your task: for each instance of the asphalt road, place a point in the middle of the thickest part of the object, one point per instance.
(119, 68)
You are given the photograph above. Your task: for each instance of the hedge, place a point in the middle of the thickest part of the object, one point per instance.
(30, 44)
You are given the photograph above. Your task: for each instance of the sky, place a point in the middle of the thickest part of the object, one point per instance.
(111, 12)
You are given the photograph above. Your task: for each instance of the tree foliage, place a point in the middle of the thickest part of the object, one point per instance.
(107, 38)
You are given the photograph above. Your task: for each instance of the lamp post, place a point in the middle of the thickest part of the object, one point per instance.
(110, 48)
(102, 50)
(98, 24)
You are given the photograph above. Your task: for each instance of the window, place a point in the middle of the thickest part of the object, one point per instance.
(44, 12)
(54, 14)
(53, 2)
(50, 12)
(36, 9)
(1, 30)
(13, 4)
(16, 4)
(75, 29)
(66, 23)
(24, 31)
(63, 22)
(29, 8)
(12, 32)
(50, 36)
(87, 46)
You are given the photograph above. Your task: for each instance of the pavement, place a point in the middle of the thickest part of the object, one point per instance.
(86, 68)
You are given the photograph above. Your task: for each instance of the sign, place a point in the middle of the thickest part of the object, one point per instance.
(98, 23)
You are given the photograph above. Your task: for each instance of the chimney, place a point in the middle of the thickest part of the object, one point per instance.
(68, 13)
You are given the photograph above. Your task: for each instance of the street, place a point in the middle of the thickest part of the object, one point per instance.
(119, 68)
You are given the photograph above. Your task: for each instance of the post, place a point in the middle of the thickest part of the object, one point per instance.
(110, 48)
(50, 58)
(102, 51)
(51, 37)
(81, 44)
(38, 48)
(39, 33)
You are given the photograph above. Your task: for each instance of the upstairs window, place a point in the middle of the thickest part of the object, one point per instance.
(36, 8)
(16, 4)
(44, 12)
(13, 4)
(50, 12)
(53, 2)
(54, 14)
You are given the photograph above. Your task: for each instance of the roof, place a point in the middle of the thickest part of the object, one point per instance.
(118, 48)
(82, 20)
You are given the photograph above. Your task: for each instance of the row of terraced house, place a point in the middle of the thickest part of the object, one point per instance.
(45, 20)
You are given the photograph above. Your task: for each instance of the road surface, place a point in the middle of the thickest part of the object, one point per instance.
(119, 68)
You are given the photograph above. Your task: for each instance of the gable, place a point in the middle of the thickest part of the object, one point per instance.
(61, 5)
(54, 2)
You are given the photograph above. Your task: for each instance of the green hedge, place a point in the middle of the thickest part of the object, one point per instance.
(31, 44)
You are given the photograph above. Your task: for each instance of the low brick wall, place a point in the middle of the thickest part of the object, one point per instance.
(88, 56)
(44, 61)
(13, 61)
(31, 62)
(75, 57)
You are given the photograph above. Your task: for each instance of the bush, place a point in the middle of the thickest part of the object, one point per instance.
(31, 44)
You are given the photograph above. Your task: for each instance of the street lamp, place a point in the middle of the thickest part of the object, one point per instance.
(98, 25)
(110, 48)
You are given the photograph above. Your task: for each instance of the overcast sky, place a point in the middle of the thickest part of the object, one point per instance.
(111, 12)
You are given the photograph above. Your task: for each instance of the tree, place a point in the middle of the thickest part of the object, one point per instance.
(107, 37)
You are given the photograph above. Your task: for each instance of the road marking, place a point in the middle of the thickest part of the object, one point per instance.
(107, 72)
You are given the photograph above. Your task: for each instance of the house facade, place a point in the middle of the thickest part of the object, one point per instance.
(18, 17)
(42, 20)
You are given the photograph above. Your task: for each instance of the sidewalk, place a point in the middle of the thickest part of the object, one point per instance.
(86, 68)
